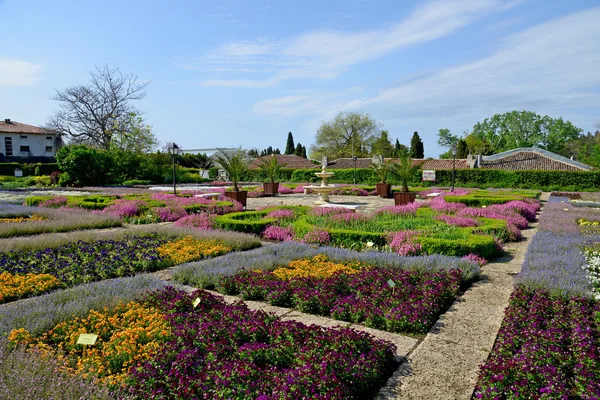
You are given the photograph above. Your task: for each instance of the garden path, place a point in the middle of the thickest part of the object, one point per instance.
(446, 363)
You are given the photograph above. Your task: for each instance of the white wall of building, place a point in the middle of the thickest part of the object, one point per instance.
(29, 145)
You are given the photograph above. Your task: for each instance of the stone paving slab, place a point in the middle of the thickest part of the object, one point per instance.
(438, 369)
(404, 344)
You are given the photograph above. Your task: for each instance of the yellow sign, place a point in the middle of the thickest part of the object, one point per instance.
(196, 302)
(87, 338)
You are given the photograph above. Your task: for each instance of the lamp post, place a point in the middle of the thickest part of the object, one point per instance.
(453, 150)
(174, 152)
(354, 158)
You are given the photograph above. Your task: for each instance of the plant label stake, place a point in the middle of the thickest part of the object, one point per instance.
(85, 339)
(196, 302)
(392, 284)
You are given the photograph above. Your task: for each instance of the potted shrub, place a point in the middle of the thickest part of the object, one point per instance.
(271, 168)
(235, 165)
(405, 170)
(382, 171)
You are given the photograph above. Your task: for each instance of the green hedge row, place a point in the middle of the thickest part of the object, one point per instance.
(28, 169)
(477, 243)
(543, 180)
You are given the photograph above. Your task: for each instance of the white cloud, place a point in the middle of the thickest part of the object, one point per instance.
(548, 68)
(554, 64)
(311, 103)
(326, 54)
(18, 73)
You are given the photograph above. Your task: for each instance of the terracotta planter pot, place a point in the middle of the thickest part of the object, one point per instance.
(384, 190)
(240, 196)
(401, 198)
(271, 189)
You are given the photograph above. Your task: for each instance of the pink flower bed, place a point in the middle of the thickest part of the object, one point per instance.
(322, 211)
(55, 202)
(204, 221)
(317, 236)
(170, 214)
(349, 217)
(281, 214)
(125, 208)
(275, 232)
(457, 221)
(285, 190)
(406, 209)
(402, 242)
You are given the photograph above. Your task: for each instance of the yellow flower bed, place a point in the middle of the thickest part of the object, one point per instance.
(585, 222)
(16, 286)
(189, 249)
(319, 267)
(128, 334)
(22, 219)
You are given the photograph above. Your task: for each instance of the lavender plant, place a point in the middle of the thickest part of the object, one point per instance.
(39, 314)
(208, 273)
(57, 220)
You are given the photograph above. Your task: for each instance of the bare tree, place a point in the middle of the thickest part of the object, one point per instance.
(93, 114)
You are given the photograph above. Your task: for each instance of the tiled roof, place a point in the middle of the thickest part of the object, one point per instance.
(17, 127)
(347, 163)
(531, 158)
(441, 164)
(285, 160)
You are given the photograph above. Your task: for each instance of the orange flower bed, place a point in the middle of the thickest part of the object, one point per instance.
(189, 249)
(129, 334)
(16, 286)
(22, 219)
(318, 267)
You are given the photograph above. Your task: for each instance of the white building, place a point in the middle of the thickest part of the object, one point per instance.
(22, 142)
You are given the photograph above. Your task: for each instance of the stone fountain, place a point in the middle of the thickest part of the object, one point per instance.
(324, 189)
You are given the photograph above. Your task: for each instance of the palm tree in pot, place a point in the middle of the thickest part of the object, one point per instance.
(235, 165)
(405, 171)
(271, 168)
(382, 170)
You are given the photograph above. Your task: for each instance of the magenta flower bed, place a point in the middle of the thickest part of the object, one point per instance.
(204, 221)
(548, 347)
(412, 306)
(229, 352)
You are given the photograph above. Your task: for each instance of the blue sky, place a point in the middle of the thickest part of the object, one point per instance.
(244, 73)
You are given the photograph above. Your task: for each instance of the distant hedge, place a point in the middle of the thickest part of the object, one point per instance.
(28, 169)
(542, 180)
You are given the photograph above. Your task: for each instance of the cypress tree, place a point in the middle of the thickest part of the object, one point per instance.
(416, 146)
(298, 150)
(289, 147)
(304, 152)
(462, 151)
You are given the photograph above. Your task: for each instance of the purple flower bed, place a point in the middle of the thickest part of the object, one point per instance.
(554, 259)
(226, 351)
(413, 306)
(457, 221)
(548, 347)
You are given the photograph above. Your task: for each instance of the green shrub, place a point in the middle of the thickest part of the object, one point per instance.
(134, 182)
(477, 244)
(248, 222)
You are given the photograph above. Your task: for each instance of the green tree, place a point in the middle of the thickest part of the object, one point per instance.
(84, 166)
(416, 146)
(516, 129)
(399, 148)
(382, 146)
(462, 151)
(348, 134)
(446, 138)
(134, 136)
(289, 147)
